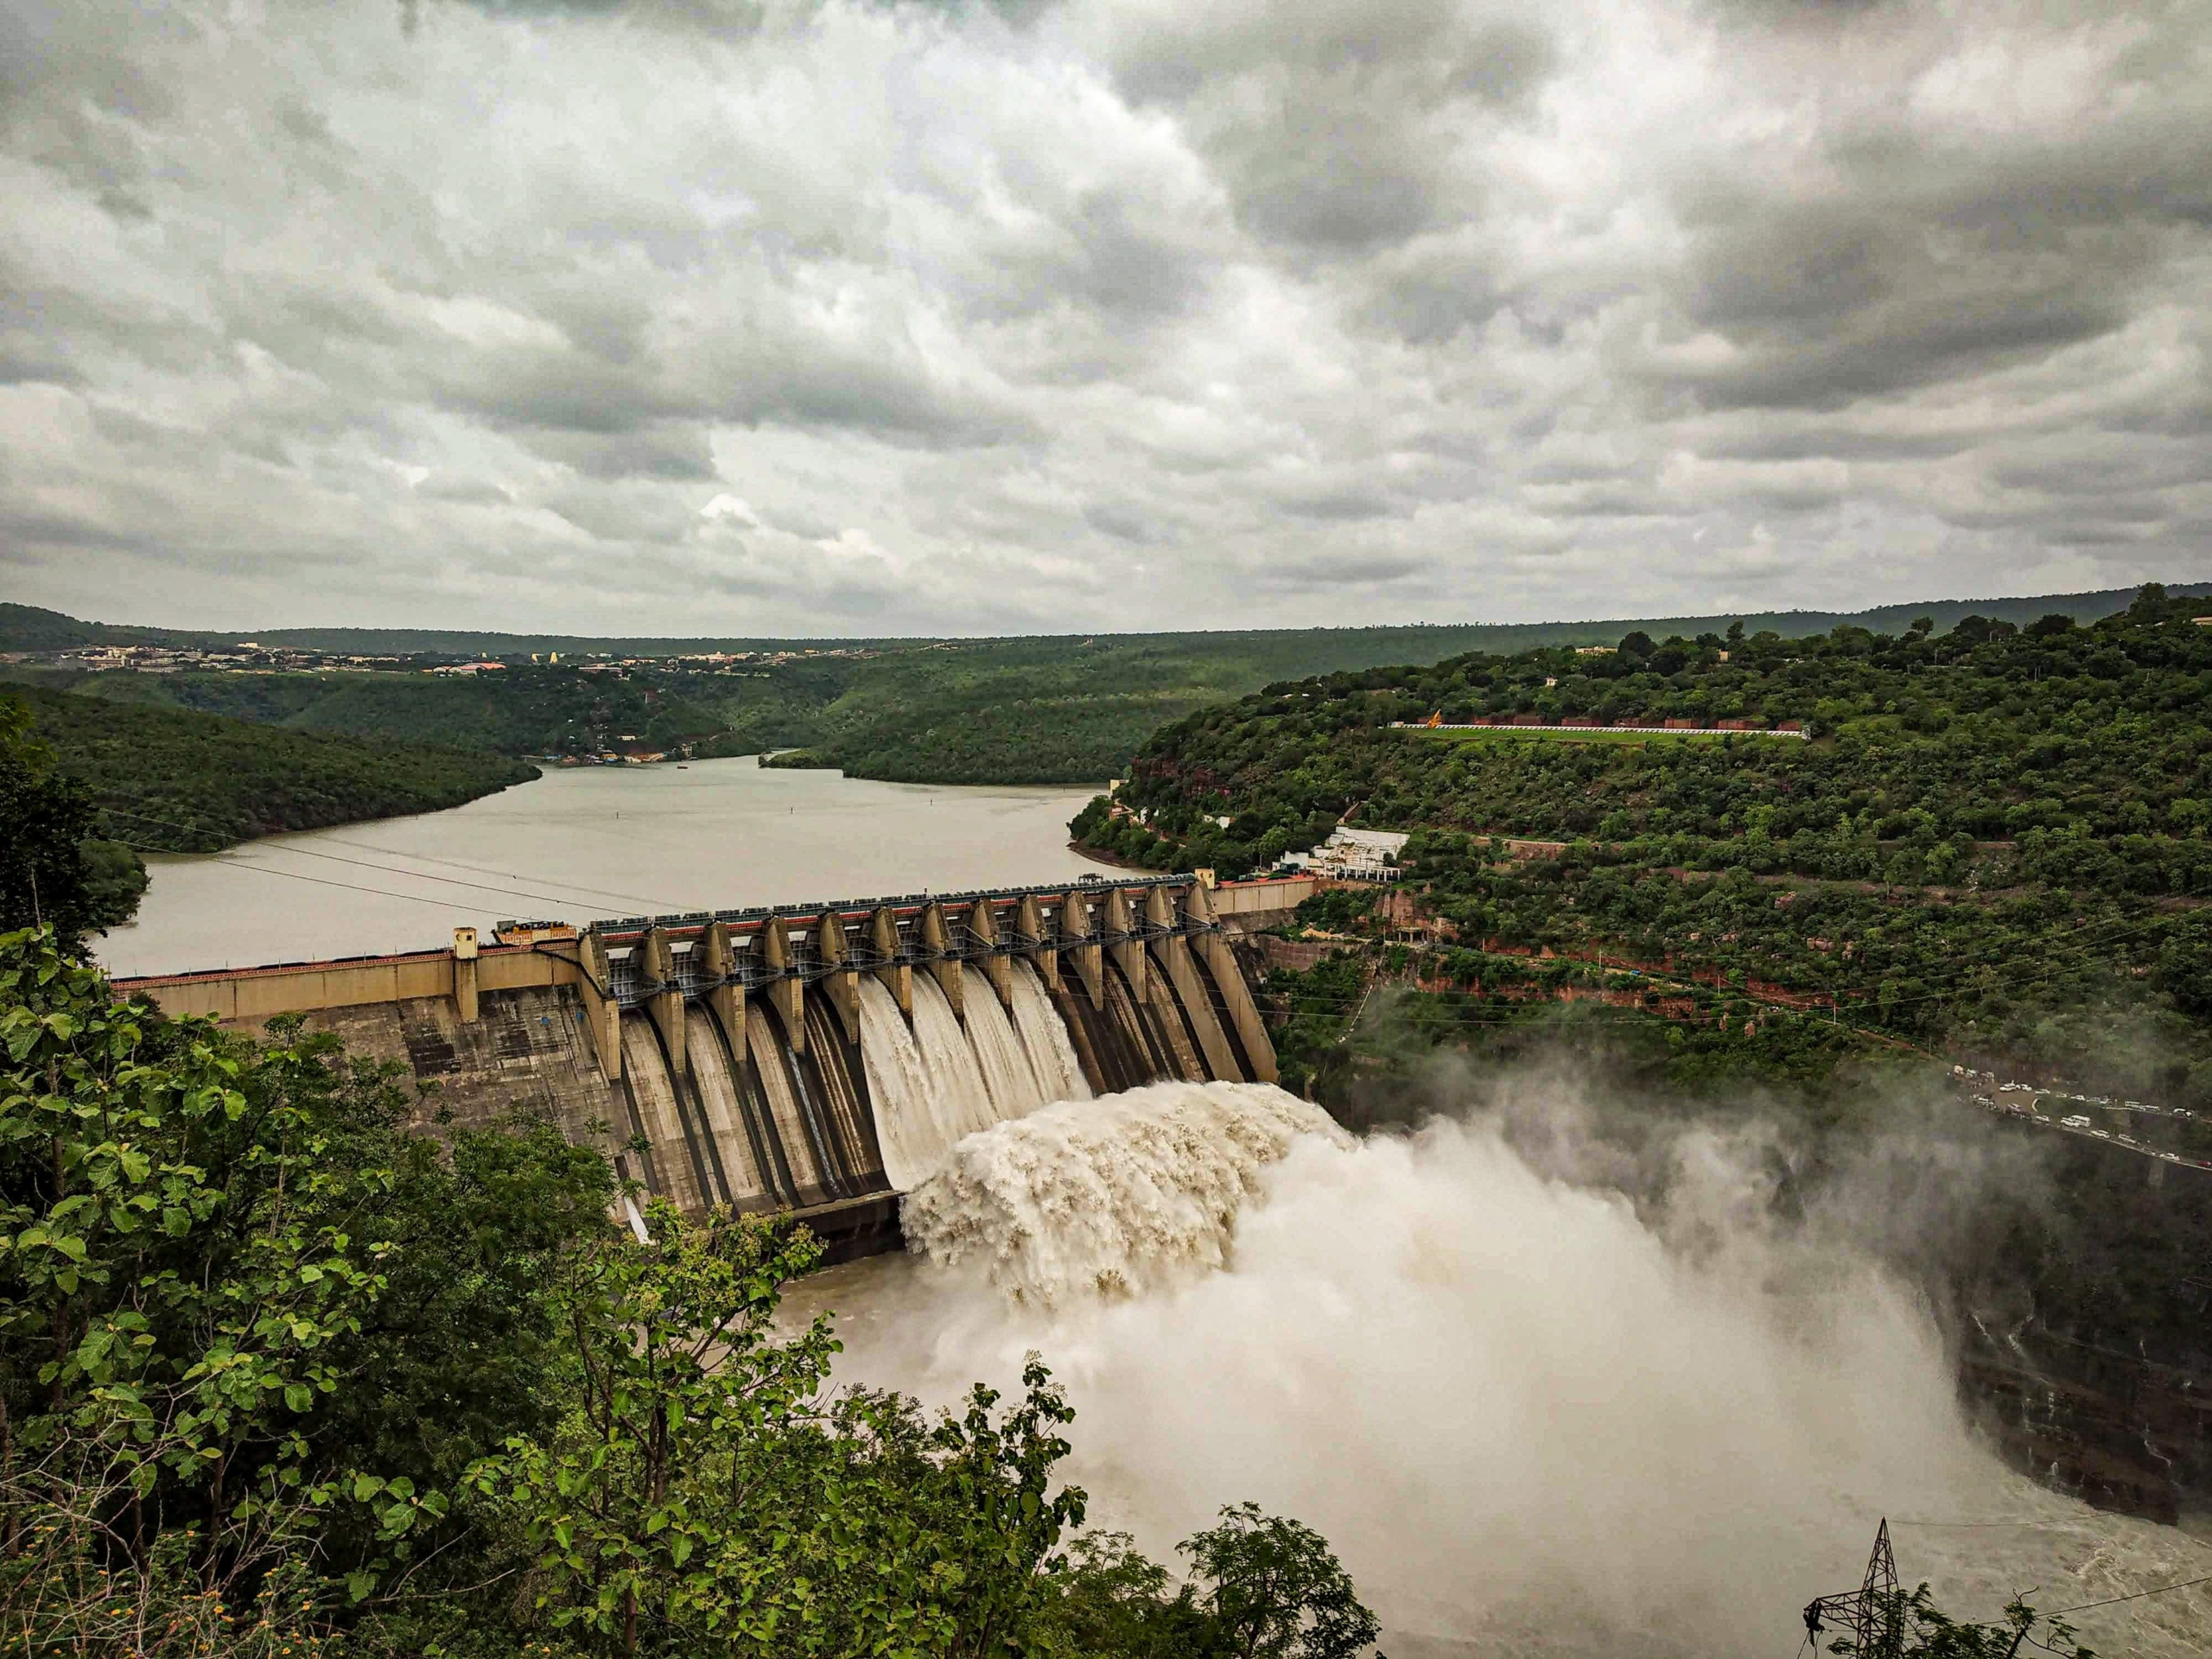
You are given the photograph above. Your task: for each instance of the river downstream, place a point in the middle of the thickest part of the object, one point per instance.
(591, 842)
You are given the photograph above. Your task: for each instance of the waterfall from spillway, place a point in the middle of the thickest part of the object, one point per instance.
(1117, 1196)
(1044, 1037)
(1015, 1090)
(917, 1118)
(937, 1084)
(964, 1103)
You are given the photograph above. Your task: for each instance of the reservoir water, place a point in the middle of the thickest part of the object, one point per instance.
(590, 842)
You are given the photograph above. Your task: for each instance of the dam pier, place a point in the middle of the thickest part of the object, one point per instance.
(819, 1059)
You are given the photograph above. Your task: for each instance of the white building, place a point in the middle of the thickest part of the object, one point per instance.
(1353, 856)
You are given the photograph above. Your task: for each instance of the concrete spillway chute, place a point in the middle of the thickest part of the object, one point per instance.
(1127, 949)
(983, 936)
(663, 1002)
(785, 991)
(1029, 932)
(602, 1013)
(841, 981)
(942, 960)
(1079, 942)
(891, 967)
(1214, 950)
(1172, 951)
(717, 955)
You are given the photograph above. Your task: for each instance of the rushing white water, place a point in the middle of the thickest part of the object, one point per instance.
(963, 1102)
(912, 1121)
(1530, 1420)
(935, 1084)
(1045, 1036)
(1012, 1084)
(1124, 1195)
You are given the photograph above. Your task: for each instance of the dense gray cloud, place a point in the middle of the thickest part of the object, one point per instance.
(840, 316)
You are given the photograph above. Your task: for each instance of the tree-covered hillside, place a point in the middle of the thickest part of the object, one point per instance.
(1072, 708)
(179, 781)
(522, 711)
(1997, 840)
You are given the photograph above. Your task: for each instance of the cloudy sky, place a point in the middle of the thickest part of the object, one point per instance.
(764, 315)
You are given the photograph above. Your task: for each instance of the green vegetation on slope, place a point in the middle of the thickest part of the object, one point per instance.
(54, 869)
(177, 781)
(522, 711)
(1999, 842)
(1042, 710)
(25, 628)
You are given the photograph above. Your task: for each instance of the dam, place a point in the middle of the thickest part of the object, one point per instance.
(817, 1059)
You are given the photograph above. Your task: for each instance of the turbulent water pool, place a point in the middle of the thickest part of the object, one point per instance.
(1530, 1418)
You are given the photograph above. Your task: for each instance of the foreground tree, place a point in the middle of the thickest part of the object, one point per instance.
(247, 1320)
(54, 867)
(705, 1493)
(1912, 1627)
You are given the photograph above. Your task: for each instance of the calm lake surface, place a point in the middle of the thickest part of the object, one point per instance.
(591, 842)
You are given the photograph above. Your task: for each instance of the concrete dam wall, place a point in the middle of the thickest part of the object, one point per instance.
(821, 1059)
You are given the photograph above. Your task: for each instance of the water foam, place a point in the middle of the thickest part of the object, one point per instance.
(1117, 1196)
(1530, 1419)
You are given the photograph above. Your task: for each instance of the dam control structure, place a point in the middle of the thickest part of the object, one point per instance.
(820, 1058)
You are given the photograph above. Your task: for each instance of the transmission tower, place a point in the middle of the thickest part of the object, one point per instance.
(1870, 1612)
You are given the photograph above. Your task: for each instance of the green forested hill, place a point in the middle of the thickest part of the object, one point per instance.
(186, 782)
(526, 710)
(24, 627)
(1998, 840)
(1067, 709)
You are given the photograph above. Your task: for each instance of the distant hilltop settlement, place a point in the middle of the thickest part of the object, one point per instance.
(251, 657)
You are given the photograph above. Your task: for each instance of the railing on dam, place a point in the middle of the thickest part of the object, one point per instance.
(629, 927)
(877, 934)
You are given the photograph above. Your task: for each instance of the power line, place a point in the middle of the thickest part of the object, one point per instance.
(481, 869)
(2113, 1601)
(401, 870)
(293, 875)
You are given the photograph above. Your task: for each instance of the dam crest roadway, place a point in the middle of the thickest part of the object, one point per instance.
(819, 1059)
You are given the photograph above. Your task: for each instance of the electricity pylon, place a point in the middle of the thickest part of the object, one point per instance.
(1870, 1612)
